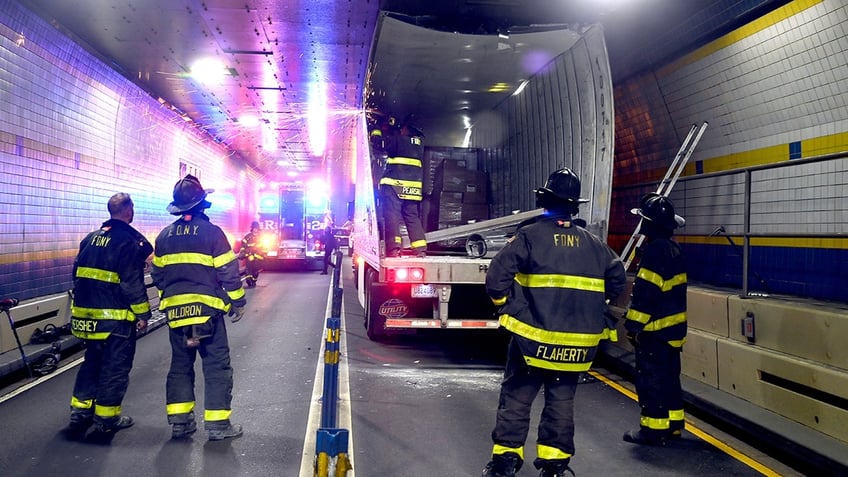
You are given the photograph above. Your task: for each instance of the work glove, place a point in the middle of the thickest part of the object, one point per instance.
(236, 313)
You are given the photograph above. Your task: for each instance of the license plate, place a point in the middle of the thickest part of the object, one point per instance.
(423, 291)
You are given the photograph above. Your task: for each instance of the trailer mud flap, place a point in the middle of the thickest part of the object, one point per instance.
(393, 307)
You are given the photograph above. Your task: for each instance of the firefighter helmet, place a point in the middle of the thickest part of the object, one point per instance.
(188, 194)
(659, 210)
(562, 188)
(254, 225)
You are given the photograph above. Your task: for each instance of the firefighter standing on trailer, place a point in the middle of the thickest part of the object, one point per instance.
(401, 190)
(551, 282)
(109, 304)
(197, 274)
(656, 323)
(252, 255)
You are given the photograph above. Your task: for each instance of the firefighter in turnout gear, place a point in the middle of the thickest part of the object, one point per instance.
(551, 282)
(401, 190)
(109, 304)
(197, 274)
(251, 254)
(656, 323)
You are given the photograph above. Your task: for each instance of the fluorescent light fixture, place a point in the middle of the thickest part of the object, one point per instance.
(208, 71)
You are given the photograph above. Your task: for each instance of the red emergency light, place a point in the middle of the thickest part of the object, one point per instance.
(405, 275)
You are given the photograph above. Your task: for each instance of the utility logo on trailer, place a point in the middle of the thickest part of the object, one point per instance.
(393, 308)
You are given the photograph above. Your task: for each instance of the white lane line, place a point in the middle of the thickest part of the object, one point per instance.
(308, 454)
(40, 380)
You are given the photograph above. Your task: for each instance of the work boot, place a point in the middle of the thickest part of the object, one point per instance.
(230, 432)
(641, 436)
(502, 465)
(78, 425)
(555, 470)
(183, 430)
(123, 422)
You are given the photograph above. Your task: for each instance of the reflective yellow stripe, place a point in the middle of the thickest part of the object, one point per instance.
(107, 411)
(550, 453)
(236, 294)
(400, 183)
(217, 415)
(92, 336)
(192, 320)
(677, 343)
(518, 327)
(183, 258)
(676, 414)
(666, 322)
(418, 244)
(499, 301)
(98, 274)
(560, 281)
(407, 161)
(140, 308)
(657, 279)
(660, 424)
(79, 404)
(223, 259)
(556, 365)
(191, 298)
(638, 316)
(501, 450)
(179, 408)
(376, 132)
(101, 313)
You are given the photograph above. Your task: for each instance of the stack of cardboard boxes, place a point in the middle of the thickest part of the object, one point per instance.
(456, 192)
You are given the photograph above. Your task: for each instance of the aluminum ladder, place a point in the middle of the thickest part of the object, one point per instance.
(665, 186)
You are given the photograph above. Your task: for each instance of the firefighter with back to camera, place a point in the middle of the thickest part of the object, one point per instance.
(656, 323)
(197, 274)
(109, 304)
(551, 282)
(401, 190)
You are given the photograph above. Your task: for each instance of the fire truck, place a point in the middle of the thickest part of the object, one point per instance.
(291, 217)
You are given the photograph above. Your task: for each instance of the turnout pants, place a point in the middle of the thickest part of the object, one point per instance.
(395, 210)
(520, 386)
(103, 377)
(658, 386)
(214, 352)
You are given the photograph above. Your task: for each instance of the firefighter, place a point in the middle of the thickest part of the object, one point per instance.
(109, 304)
(401, 190)
(656, 323)
(251, 254)
(197, 275)
(551, 283)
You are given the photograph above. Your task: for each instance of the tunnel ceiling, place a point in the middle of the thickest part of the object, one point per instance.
(279, 55)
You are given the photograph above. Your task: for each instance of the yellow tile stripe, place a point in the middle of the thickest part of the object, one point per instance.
(739, 34)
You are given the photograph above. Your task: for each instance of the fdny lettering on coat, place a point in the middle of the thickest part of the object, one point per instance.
(566, 240)
(562, 354)
(184, 312)
(100, 241)
(180, 230)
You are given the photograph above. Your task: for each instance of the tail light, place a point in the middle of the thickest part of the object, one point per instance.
(405, 274)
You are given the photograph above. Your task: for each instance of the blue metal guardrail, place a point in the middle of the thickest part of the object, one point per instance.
(332, 442)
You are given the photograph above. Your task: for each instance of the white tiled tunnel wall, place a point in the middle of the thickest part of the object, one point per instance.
(72, 133)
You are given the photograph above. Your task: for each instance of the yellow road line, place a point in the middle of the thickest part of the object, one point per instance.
(699, 433)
